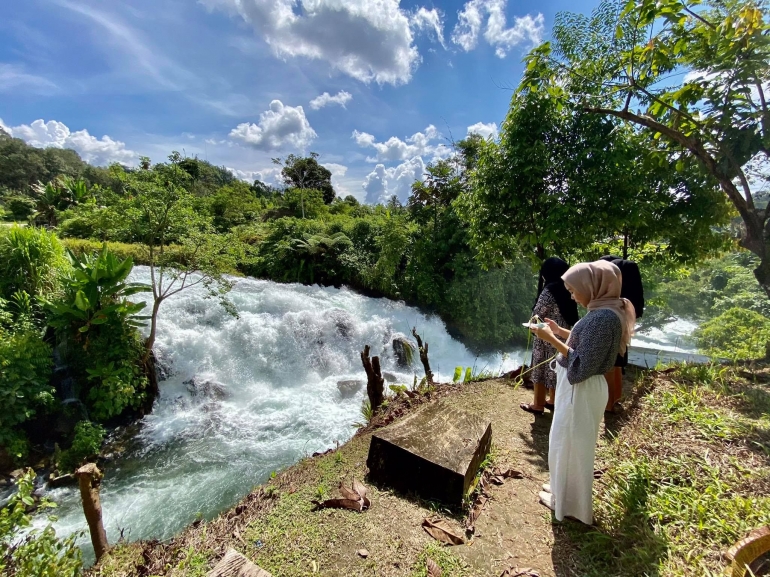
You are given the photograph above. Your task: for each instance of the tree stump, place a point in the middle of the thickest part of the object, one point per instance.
(375, 383)
(233, 564)
(423, 349)
(89, 477)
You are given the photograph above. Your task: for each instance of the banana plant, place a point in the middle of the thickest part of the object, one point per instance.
(98, 293)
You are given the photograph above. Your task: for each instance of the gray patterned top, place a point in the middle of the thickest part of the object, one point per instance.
(593, 346)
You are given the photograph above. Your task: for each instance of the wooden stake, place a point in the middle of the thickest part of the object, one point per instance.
(89, 477)
(375, 383)
(423, 356)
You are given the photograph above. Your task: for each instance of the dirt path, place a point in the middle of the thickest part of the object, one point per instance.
(277, 528)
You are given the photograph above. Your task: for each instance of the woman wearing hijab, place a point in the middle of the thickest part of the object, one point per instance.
(633, 290)
(553, 302)
(581, 389)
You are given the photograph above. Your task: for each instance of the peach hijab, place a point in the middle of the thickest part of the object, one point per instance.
(600, 282)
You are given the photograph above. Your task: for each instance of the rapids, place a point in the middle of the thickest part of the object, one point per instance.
(265, 395)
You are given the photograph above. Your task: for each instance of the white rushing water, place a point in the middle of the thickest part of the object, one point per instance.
(276, 397)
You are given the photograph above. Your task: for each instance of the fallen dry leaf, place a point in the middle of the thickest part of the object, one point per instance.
(433, 569)
(349, 493)
(362, 491)
(509, 474)
(440, 530)
(339, 504)
(497, 479)
(520, 572)
(478, 506)
(363, 553)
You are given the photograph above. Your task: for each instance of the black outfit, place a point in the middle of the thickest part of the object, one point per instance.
(553, 302)
(631, 289)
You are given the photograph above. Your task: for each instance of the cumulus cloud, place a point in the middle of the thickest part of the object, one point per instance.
(382, 183)
(98, 151)
(370, 40)
(341, 98)
(280, 127)
(483, 130)
(430, 21)
(471, 20)
(270, 176)
(395, 149)
(338, 172)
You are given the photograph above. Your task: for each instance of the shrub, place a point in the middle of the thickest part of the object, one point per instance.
(735, 334)
(35, 552)
(86, 444)
(96, 317)
(25, 369)
(31, 260)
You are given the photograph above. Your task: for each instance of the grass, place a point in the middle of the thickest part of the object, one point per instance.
(686, 477)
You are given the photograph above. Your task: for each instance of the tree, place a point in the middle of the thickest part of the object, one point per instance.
(535, 189)
(305, 173)
(160, 212)
(561, 180)
(696, 73)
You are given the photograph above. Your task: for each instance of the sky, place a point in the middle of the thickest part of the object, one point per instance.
(378, 88)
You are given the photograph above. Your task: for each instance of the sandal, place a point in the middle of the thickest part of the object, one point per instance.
(547, 500)
(547, 487)
(528, 407)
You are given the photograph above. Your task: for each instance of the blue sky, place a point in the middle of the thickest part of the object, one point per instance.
(238, 82)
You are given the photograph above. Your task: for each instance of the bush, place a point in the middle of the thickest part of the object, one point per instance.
(25, 370)
(31, 260)
(33, 553)
(735, 334)
(85, 445)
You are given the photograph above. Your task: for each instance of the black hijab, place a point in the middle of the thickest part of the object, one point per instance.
(550, 277)
(632, 288)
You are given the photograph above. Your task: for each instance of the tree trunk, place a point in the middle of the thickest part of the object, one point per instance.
(89, 478)
(153, 389)
(423, 348)
(150, 342)
(375, 383)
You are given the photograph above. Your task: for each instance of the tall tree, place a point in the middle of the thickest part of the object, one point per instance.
(692, 74)
(304, 172)
(182, 251)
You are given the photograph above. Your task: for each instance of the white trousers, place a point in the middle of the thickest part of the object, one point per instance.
(578, 413)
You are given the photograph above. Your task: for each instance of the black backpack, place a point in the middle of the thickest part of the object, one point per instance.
(632, 288)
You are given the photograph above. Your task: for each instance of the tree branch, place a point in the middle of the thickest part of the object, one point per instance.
(690, 143)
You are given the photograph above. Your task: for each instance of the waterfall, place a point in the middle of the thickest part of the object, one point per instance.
(246, 396)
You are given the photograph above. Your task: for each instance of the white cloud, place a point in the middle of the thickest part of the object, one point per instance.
(280, 127)
(14, 77)
(382, 183)
(426, 20)
(188, 135)
(341, 98)
(270, 176)
(338, 182)
(395, 149)
(98, 151)
(4, 126)
(471, 20)
(484, 130)
(370, 40)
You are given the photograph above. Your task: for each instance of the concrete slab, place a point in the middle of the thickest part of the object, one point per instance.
(434, 453)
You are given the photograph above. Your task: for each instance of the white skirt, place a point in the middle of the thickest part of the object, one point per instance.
(578, 413)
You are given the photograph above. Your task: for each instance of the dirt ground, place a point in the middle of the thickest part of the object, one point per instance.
(277, 528)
